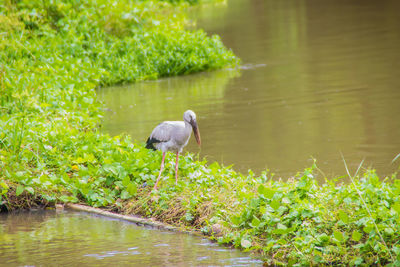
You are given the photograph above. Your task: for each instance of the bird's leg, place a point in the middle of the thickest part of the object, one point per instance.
(161, 169)
(176, 168)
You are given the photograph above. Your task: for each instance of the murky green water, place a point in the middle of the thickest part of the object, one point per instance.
(47, 238)
(319, 78)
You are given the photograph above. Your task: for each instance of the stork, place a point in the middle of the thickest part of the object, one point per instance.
(173, 136)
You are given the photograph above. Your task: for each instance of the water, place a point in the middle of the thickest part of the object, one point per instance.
(47, 238)
(319, 78)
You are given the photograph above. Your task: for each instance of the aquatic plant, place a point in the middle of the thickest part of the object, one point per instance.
(295, 222)
(53, 56)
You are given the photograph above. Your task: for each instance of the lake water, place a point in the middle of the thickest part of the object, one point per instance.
(49, 238)
(319, 78)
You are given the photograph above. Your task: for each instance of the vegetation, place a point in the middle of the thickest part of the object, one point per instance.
(53, 56)
(297, 222)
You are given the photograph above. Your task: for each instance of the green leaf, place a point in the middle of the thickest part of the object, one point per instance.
(396, 207)
(4, 185)
(30, 190)
(343, 216)
(280, 229)
(275, 204)
(235, 221)
(80, 160)
(125, 194)
(389, 231)
(368, 228)
(266, 192)
(126, 181)
(318, 259)
(254, 203)
(323, 238)
(19, 190)
(65, 198)
(281, 226)
(358, 261)
(110, 168)
(338, 235)
(132, 189)
(20, 174)
(396, 250)
(188, 217)
(255, 222)
(356, 236)
(263, 209)
(245, 243)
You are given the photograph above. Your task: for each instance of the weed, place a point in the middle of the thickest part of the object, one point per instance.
(54, 55)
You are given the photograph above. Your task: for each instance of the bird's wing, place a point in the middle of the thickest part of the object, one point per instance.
(165, 131)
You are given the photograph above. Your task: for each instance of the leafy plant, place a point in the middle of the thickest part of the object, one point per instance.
(53, 56)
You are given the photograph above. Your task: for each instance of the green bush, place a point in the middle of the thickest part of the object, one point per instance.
(53, 54)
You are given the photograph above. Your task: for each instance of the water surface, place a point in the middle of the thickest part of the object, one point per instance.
(47, 238)
(319, 78)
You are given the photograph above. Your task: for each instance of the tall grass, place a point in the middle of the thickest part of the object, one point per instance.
(53, 54)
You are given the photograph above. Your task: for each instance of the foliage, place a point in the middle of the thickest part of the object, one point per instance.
(296, 222)
(53, 56)
(55, 53)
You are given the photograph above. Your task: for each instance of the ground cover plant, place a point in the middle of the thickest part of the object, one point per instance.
(53, 54)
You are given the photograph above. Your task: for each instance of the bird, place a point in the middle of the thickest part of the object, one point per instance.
(173, 136)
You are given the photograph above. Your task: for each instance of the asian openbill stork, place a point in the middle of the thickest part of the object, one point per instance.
(173, 136)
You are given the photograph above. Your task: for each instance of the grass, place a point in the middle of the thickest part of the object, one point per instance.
(54, 55)
(298, 221)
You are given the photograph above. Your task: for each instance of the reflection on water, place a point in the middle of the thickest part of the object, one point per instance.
(46, 238)
(318, 78)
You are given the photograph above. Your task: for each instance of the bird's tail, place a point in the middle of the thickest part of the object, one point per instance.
(150, 142)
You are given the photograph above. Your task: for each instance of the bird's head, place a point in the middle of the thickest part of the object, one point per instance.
(190, 117)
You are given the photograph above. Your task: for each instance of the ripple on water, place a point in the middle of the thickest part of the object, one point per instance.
(71, 238)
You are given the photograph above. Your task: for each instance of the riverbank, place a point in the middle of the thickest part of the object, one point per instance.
(51, 150)
(53, 58)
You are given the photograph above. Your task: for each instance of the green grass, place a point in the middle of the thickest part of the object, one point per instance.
(53, 55)
(297, 221)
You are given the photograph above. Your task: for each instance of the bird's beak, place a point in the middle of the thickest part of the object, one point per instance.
(196, 132)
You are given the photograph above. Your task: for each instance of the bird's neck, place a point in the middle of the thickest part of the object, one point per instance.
(188, 125)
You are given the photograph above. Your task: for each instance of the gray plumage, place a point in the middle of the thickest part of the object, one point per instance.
(173, 136)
